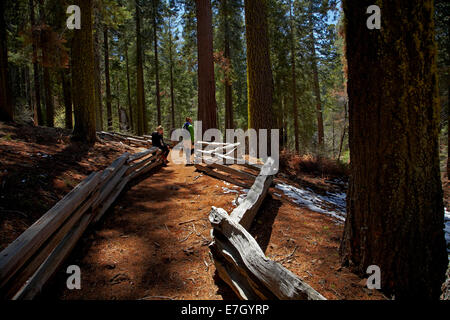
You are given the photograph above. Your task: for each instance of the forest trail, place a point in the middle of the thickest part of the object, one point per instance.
(147, 247)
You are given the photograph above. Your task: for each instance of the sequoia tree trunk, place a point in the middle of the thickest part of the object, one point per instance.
(395, 212)
(207, 105)
(259, 71)
(83, 85)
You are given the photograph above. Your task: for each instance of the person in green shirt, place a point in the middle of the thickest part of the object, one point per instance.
(190, 128)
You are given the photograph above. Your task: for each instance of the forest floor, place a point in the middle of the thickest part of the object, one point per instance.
(153, 244)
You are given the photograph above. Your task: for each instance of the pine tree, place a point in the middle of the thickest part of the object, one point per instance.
(6, 107)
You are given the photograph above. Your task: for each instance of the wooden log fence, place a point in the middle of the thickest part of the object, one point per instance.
(239, 260)
(30, 261)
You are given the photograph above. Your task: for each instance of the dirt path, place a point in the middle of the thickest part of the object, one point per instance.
(144, 249)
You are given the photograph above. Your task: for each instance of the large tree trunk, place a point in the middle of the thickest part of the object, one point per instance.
(6, 107)
(229, 122)
(207, 105)
(259, 71)
(37, 87)
(107, 79)
(395, 215)
(83, 85)
(294, 81)
(155, 44)
(142, 126)
(97, 57)
(130, 108)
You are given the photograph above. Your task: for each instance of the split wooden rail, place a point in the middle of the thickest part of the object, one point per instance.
(239, 260)
(30, 260)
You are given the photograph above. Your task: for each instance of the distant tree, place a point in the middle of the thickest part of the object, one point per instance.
(37, 86)
(109, 115)
(294, 78)
(97, 66)
(207, 105)
(395, 212)
(6, 106)
(83, 76)
(142, 125)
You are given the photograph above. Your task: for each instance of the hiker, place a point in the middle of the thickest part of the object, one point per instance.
(158, 141)
(190, 128)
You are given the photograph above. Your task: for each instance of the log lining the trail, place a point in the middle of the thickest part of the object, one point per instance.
(32, 259)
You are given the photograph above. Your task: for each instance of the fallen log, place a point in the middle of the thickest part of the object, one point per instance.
(277, 279)
(20, 250)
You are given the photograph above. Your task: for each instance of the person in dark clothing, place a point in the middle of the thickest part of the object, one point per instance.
(158, 141)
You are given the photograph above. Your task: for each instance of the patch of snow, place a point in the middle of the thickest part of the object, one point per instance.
(333, 204)
(226, 190)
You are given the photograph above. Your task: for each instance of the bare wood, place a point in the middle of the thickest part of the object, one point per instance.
(247, 210)
(52, 263)
(146, 168)
(109, 201)
(279, 280)
(228, 273)
(142, 154)
(140, 164)
(35, 261)
(231, 258)
(107, 188)
(237, 172)
(20, 250)
(220, 176)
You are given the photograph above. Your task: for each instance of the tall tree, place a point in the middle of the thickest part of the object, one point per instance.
(83, 85)
(395, 209)
(207, 105)
(107, 78)
(259, 70)
(155, 47)
(229, 122)
(294, 79)
(142, 125)
(37, 86)
(6, 107)
(172, 95)
(316, 84)
(97, 62)
(130, 108)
